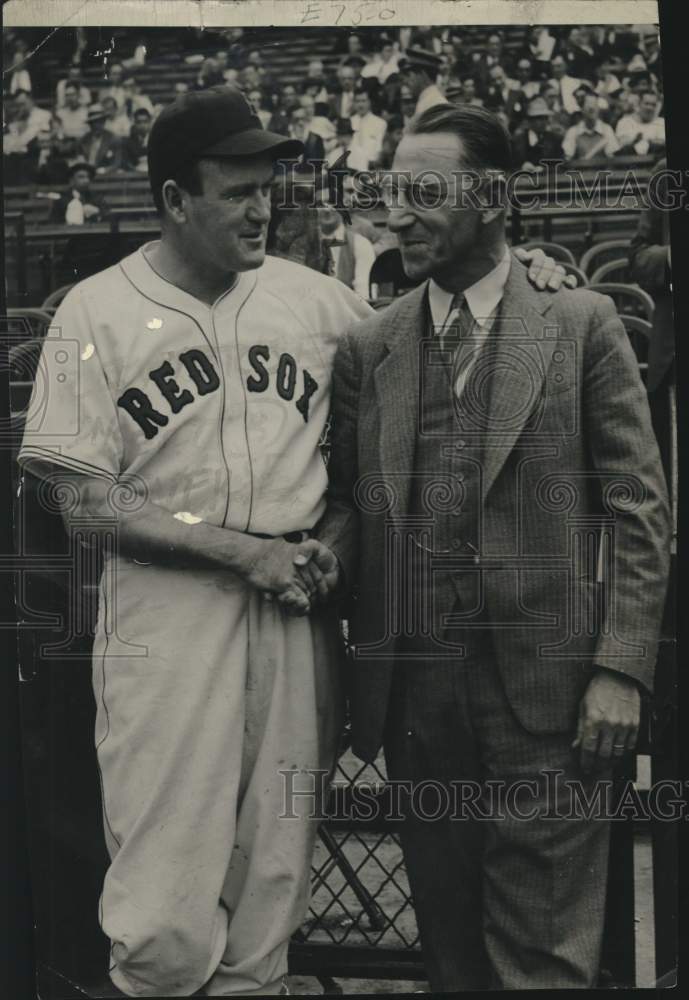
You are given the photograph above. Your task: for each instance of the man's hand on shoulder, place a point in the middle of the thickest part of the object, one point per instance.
(609, 716)
(544, 271)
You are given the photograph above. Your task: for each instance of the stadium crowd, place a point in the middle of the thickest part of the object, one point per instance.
(575, 93)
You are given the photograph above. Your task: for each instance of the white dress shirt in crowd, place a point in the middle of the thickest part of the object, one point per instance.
(20, 133)
(630, 125)
(369, 132)
(73, 122)
(482, 298)
(568, 86)
(84, 94)
(381, 70)
(364, 256)
(580, 141)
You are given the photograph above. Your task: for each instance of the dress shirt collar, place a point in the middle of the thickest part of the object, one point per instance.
(483, 297)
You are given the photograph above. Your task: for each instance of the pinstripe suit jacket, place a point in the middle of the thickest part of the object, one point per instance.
(566, 449)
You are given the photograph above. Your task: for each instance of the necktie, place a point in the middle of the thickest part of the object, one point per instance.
(454, 335)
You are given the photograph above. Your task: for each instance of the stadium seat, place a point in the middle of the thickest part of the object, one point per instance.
(582, 280)
(630, 300)
(555, 250)
(602, 253)
(55, 298)
(613, 270)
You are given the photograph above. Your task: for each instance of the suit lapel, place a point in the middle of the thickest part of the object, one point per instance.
(518, 354)
(397, 390)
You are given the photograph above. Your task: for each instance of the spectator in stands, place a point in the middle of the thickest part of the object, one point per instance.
(540, 49)
(317, 124)
(391, 141)
(135, 148)
(524, 78)
(73, 77)
(314, 148)
(115, 88)
(209, 75)
(644, 132)
(419, 69)
(493, 55)
(20, 78)
(26, 122)
(49, 167)
(590, 137)
(289, 100)
(256, 98)
(407, 103)
(342, 103)
(116, 121)
(536, 140)
(73, 116)
(99, 147)
(558, 115)
(470, 92)
(566, 85)
(503, 94)
(369, 129)
(383, 63)
(341, 144)
(79, 205)
(351, 254)
(581, 55)
(390, 96)
(607, 80)
(134, 100)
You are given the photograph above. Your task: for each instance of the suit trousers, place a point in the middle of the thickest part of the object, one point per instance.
(508, 874)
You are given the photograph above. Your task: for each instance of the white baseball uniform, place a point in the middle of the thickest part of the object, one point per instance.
(205, 691)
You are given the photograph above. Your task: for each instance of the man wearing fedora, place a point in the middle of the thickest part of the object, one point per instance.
(79, 204)
(99, 147)
(536, 140)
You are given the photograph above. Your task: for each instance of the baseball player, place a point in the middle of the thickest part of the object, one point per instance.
(186, 396)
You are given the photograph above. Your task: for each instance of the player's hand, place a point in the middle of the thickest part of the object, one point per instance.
(544, 271)
(319, 567)
(609, 715)
(271, 569)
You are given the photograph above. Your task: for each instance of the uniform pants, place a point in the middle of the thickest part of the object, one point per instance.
(199, 742)
(501, 902)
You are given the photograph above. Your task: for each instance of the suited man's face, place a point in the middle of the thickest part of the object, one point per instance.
(432, 240)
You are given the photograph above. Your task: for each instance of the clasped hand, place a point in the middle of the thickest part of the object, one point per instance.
(298, 576)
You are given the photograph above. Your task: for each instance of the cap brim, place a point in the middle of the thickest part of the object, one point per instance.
(256, 140)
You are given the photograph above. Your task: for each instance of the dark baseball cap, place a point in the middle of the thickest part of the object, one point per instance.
(218, 121)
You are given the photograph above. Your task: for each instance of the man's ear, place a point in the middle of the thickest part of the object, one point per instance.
(174, 201)
(492, 198)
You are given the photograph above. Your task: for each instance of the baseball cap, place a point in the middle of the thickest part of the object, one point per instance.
(218, 121)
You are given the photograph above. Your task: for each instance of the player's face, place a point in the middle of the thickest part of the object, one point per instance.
(432, 240)
(227, 223)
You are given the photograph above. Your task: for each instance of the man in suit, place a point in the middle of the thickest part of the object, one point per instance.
(99, 147)
(482, 431)
(537, 139)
